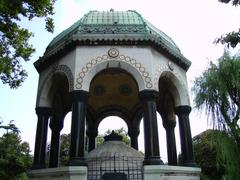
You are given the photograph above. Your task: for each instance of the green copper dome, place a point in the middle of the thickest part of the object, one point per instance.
(113, 22)
(115, 28)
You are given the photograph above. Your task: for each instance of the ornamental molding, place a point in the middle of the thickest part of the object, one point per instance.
(59, 68)
(67, 71)
(116, 57)
(111, 29)
(113, 52)
(54, 69)
(169, 68)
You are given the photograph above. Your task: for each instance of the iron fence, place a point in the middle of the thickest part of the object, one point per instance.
(117, 167)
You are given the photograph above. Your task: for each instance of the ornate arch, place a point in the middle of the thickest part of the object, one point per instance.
(182, 96)
(43, 88)
(136, 69)
(67, 71)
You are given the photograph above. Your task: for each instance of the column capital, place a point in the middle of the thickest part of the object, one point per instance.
(56, 124)
(168, 120)
(43, 111)
(169, 123)
(133, 131)
(185, 109)
(77, 95)
(148, 94)
(92, 133)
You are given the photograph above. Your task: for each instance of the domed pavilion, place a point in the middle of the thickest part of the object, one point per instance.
(113, 63)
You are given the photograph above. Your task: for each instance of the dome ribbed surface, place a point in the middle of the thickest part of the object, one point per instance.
(113, 158)
(114, 148)
(105, 23)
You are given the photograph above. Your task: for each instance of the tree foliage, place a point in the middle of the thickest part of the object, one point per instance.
(11, 126)
(217, 155)
(14, 40)
(234, 2)
(218, 91)
(15, 158)
(232, 38)
(64, 149)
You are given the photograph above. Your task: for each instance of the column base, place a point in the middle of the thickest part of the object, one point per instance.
(38, 166)
(163, 172)
(153, 161)
(77, 162)
(190, 163)
(61, 173)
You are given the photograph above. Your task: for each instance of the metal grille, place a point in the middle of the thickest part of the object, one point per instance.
(131, 167)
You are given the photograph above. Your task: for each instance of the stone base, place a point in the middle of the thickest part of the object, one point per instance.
(61, 173)
(164, 172)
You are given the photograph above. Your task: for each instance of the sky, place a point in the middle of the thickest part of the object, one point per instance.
(193, 25)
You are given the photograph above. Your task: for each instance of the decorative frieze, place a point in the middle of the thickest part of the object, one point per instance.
(113, 54)
(67, 71)
(111, 29)
(169, 67)
(57, 68)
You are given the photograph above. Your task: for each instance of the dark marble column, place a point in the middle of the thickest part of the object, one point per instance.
(79, 104)
(185, 135)
(43, 114)
(92, 134)
(133, 133)
(56, 125)
(148, 101)
(169, 125)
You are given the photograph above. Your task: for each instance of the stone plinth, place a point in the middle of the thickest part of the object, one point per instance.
(163, 172)
(61, 173)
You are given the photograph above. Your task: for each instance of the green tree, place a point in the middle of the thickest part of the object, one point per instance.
(64, 149)
(15, 158)
(217, 155)
(11, 126)
(14, 40)
(217, 91)
(234, 2)
(232, 38)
